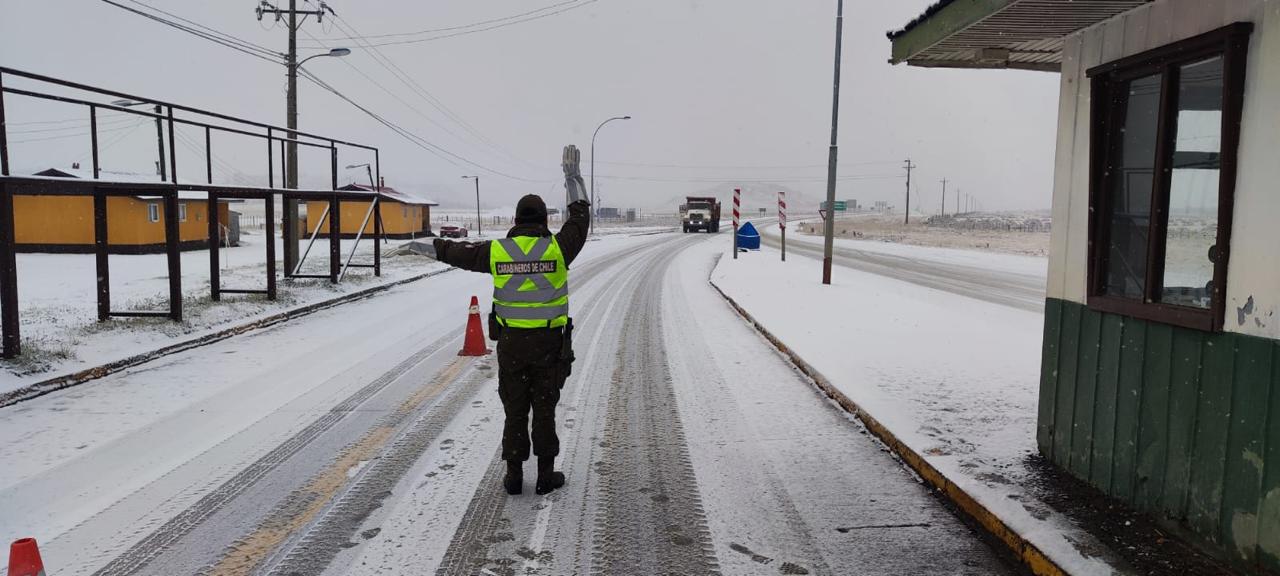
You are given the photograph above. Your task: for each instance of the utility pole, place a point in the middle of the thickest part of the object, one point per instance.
(957, 201)
(910, 166)
(290, 227)
(944, 197)
(829, 227)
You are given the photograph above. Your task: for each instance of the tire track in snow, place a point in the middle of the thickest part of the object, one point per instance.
(650, 520)
(314, 549)
(161, 539)
(485, 525)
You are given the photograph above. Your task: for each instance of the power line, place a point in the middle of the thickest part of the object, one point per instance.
(250, 49)
(388, 64)
(421, 142)
(78, 134)
(471, 25)
(397, 97)
(229, 37)
(81, 129)
(485, 29)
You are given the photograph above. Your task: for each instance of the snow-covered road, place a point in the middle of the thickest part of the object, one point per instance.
(963, 272)
(354, 441)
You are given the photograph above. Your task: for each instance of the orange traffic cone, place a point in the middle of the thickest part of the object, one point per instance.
(24, 558)
(474, 343)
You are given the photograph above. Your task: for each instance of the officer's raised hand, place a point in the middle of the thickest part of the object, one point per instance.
(574, 188)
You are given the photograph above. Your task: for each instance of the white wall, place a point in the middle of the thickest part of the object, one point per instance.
(1254, 270)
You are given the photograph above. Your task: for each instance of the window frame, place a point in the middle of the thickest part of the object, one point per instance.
(182, 212)
(1231, 43)
(153, 212)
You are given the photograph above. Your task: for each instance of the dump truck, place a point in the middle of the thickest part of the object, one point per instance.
(700, 213)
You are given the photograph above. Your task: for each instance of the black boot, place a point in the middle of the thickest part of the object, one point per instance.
(548, 478)
(514, 482)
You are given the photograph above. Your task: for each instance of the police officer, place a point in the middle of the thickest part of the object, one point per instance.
(530, 269)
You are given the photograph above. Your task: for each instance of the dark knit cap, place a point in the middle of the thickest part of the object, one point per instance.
(531, 210)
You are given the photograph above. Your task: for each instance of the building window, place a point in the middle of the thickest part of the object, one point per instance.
(153, 212)
(1165, 125)
(182, 212)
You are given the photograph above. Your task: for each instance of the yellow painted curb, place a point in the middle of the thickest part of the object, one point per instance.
(1028, 553)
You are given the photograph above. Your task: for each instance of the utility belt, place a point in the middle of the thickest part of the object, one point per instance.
(566, 356)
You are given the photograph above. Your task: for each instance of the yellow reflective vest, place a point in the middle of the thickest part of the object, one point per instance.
(530, 282)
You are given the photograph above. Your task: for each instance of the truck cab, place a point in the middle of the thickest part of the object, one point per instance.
(700, 214)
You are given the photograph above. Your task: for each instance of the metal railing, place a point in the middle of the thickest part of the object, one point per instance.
(101, 190)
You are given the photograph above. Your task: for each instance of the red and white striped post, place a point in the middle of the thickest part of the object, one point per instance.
(737, 202)
(782, 221)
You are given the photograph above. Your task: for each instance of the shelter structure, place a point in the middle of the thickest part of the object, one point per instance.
(101, 189)
(65, 224)
(403, 214)
(1161, 362)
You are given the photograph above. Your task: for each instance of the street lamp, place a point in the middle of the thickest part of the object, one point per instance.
(593, 164)
(335, 53)
(159, 131)
(291, 154)
(368, 169)
(477, 179)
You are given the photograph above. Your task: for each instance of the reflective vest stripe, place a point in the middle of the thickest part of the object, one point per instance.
(529, 299)
(530, 312)
(541, 295)
(535, 253)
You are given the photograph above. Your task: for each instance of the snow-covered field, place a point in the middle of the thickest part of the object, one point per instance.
(57, 298)
(980, 234)
(954, 377)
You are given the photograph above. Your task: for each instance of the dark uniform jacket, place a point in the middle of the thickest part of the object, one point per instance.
(474, 256)
(523, 348)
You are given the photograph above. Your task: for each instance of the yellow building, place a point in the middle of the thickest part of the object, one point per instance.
(404, 215)
(135, 224)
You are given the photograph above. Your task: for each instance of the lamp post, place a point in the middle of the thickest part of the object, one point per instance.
(593, 164)
(479, 229)
(369, 170)
(159, 131)
(290, 228)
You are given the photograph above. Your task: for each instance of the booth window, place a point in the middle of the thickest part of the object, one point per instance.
(1165, 126)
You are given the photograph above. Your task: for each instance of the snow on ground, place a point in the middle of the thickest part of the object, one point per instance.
(93, 469)
(59, 322)
(60, 329)
(955, 378)
(1013, 263)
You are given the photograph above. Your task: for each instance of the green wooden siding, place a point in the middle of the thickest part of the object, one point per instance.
(1176, 422)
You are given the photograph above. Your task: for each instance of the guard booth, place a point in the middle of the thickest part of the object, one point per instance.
(1161, 363)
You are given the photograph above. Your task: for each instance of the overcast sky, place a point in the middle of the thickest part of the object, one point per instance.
(720, 91)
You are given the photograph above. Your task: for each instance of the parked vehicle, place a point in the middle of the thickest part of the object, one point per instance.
(700, 213)
(453, 232)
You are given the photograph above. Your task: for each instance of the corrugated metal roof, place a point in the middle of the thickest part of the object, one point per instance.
(128, 177)
(396, 195)
(1025, 34)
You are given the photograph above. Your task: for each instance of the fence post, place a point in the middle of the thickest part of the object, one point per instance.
(215, 243)
(270, 235)
(173, 250)
(8, 277)
(100, 247)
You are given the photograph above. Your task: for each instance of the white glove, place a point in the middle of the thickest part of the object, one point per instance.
(574, 188)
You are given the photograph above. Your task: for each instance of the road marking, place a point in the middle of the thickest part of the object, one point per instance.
(251, 550)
